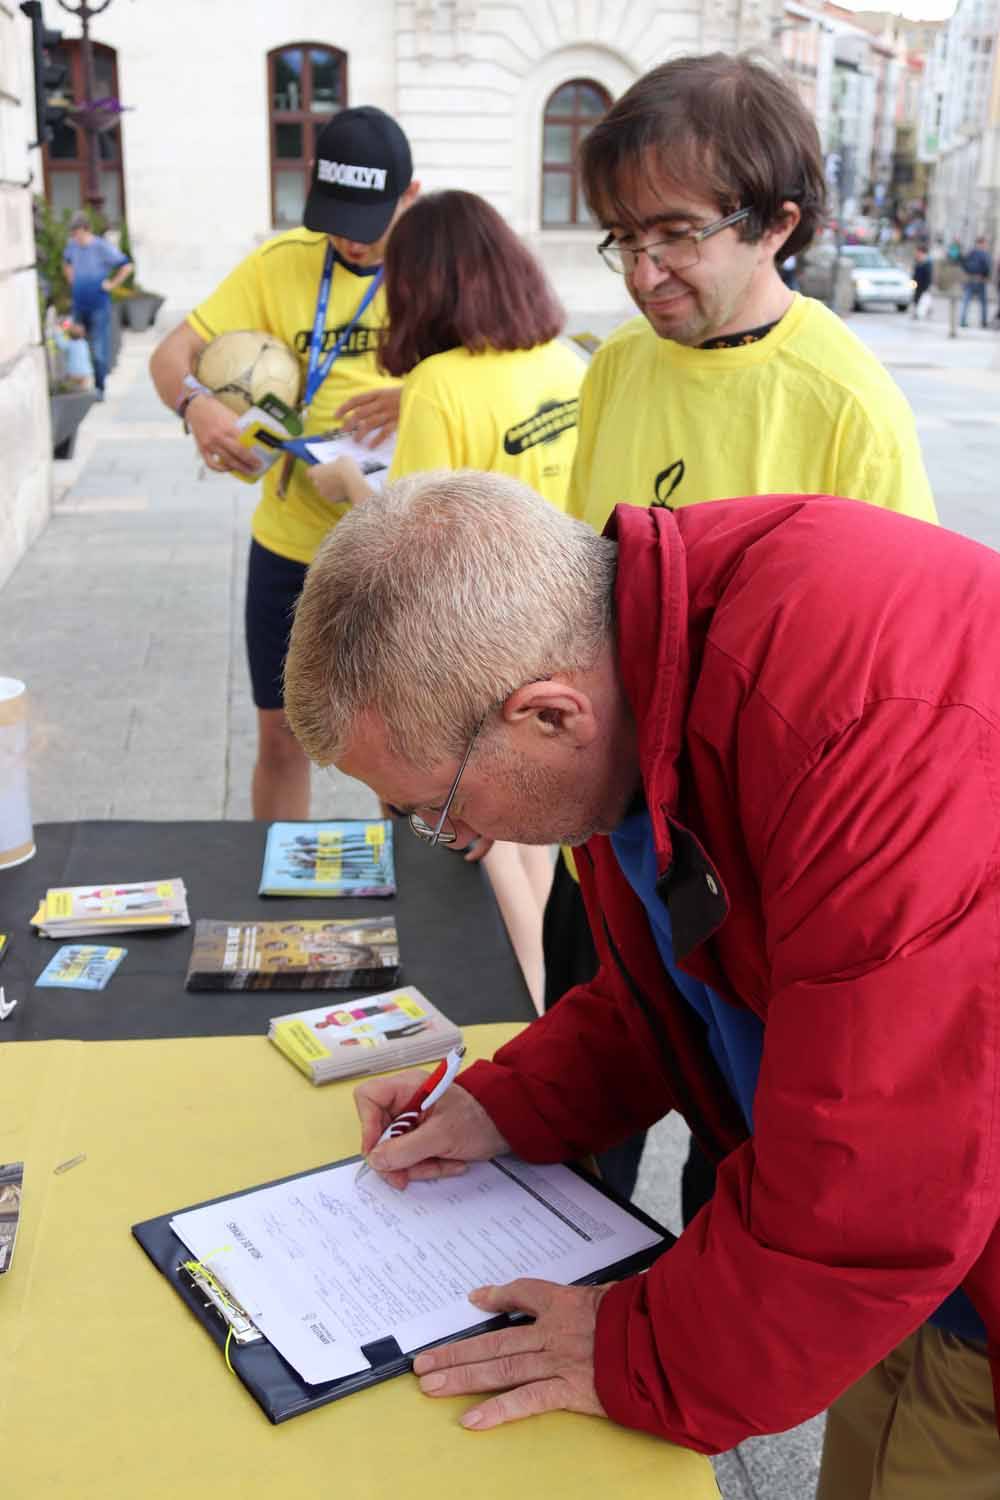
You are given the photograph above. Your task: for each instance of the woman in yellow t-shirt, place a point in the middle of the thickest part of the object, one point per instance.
(473, 328)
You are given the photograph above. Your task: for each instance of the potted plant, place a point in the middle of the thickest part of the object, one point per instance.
(139, 307)
(70, 397)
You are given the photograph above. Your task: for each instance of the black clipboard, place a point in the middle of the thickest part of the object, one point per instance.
(276, 1387)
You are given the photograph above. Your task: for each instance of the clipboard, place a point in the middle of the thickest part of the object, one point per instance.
(277, 1388)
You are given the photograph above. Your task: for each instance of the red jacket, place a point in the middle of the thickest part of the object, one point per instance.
(816, 687)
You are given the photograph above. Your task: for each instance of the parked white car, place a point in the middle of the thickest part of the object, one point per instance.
(876, 279)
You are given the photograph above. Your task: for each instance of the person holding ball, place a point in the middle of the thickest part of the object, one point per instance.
(318, 289)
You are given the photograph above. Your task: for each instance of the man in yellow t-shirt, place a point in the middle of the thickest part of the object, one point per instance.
(361, 183)
(804, 409)
(729, 383)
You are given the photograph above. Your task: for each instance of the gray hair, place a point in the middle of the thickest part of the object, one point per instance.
(431, 603)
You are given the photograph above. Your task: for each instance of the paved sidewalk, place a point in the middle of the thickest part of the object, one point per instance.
(125, 619)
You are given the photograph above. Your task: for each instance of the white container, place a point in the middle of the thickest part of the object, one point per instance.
(17, 841)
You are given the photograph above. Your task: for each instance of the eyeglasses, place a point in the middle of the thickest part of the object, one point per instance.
(442, 831)
(675, 252)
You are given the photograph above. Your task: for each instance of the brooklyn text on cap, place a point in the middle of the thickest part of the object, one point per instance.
(363, 166)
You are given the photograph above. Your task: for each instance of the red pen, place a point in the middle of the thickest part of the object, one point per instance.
(427, 1094)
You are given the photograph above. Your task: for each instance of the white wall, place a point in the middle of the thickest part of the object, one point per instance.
(26, 471)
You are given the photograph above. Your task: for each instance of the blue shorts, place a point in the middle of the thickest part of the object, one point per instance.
(273, 586)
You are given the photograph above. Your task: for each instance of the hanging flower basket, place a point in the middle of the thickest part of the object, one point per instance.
(98, 115)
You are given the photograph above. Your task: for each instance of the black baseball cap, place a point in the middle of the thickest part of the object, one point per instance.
(363, 166)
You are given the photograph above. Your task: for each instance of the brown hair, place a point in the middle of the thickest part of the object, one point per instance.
(727, 124)
(457, 277)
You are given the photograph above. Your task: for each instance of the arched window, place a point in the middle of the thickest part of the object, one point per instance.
(65, 156)
(306, 84)
(570, 112)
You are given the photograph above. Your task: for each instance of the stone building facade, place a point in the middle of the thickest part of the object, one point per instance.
(26, 469)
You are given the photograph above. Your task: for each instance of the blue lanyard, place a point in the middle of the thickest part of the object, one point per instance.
(317, 372)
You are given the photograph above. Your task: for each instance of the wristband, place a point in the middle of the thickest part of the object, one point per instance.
(191, 387)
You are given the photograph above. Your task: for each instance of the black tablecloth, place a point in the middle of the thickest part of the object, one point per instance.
(453, 944)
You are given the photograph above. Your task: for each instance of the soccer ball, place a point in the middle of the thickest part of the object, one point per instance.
(243, 366)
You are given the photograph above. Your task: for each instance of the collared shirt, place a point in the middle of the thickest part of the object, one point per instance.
(736, 1037)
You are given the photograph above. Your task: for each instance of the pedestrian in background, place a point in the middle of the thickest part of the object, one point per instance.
(94, 267)
(978, 269)
(923, 273)
(787, 272)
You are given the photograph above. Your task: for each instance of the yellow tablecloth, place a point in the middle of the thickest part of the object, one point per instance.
(110, 1390)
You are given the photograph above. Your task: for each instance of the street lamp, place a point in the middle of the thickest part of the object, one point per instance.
(96, 115)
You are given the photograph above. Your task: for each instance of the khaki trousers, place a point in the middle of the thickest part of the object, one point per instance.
(919, 1426)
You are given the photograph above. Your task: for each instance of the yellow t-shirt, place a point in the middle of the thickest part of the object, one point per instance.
(511, 412)
(275, 289)
(806, 410)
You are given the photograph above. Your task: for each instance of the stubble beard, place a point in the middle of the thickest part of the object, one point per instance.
(553, 813)
(712, 309)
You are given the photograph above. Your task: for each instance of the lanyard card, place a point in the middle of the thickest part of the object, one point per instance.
(265, 437)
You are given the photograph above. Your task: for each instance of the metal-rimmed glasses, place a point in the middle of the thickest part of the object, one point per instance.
(442, 832)
(675, 252)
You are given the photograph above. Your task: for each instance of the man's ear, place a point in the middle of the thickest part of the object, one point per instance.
(552, 707)
(776, 236)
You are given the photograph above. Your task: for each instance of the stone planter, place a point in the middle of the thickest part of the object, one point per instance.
(140, 310)
(68, 410)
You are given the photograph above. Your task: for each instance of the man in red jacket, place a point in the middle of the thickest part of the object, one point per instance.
(771, 726)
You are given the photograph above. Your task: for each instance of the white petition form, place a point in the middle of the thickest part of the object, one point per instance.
(374, 463)
(324, 1264)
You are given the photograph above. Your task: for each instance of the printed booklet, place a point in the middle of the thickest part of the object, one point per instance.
(352, 953)
(371, 1035)
(351, 857)
(84, 910)
(80, 966)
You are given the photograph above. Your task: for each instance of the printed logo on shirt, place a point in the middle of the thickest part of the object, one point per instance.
(362, 341)
(550, 420)
(666, 482)
(342, 174)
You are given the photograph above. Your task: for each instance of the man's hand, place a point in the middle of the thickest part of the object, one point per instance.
(547, 1365)
(473, 853)
(455, 1131)
(213, 427)
(371, 416)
